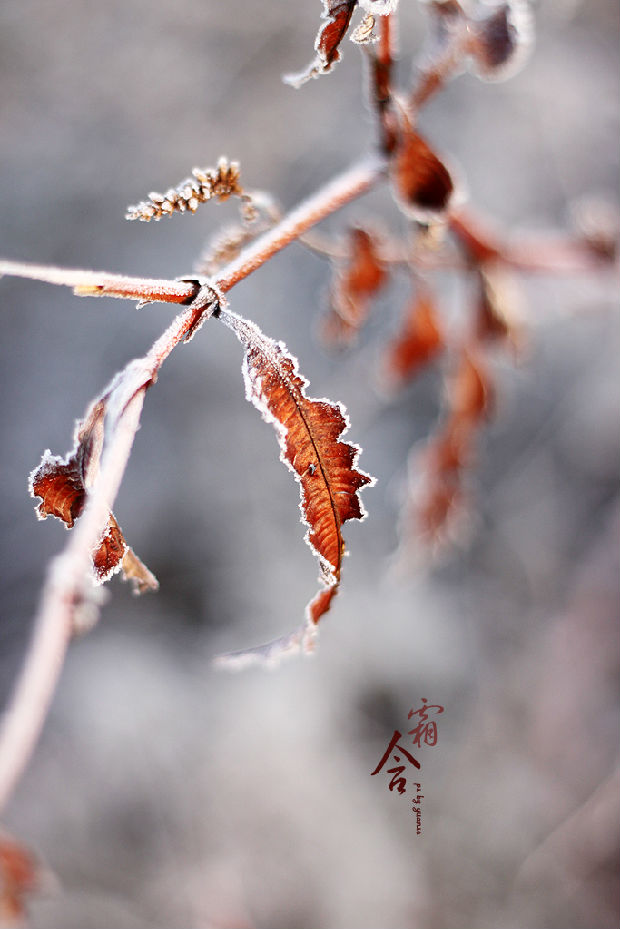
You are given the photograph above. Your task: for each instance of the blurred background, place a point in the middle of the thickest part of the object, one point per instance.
(164, 793)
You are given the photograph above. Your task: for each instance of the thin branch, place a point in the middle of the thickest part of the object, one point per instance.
(345, 187)
(102, 283)
(64, 591)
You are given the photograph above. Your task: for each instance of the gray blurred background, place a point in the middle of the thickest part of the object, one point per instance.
(164, 793)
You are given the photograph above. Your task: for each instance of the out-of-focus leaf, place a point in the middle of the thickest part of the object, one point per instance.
(419, 341)
(353, 288)
(20, 875)
(421, 182)
(498, 315)
(500, 42)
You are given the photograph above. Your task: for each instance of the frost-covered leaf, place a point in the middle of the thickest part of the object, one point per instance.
(421, 181)
(470, 393)
(353, 287)
(309, 433)
(419, 340)
(62, 485)
(337, 15)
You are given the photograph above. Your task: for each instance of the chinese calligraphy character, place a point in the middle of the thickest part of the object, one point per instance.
(397, 781)
(426, 731)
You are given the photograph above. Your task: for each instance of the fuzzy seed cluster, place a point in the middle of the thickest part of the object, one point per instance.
(205, 184)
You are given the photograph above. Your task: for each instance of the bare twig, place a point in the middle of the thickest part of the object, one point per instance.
(103, 284)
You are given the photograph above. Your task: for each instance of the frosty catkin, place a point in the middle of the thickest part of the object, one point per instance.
(205, 184)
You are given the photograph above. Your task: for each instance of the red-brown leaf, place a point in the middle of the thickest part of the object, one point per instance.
(309, 433)
(62, 484)
(20, 875)
(337, 15)
(419, 341)
(500, 42)
(470, 393)
(422, 183)
(353, 287)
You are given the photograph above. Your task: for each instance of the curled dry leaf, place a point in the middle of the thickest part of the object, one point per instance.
(309, 433)
(353, 287)
(337, 15)
(20, 875)
(419, 341)
(63, 483)
(221, 182)
(421, 182)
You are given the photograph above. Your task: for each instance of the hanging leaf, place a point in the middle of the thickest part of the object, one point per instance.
(309, 433)
(62, 484)
(352, 290)
(500, 42)
(421, 182)
(419, 341)
(337, 15)
(470, 392)
(438, 507)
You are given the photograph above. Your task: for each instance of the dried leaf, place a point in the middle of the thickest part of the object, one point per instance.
(470, 394)
(62, 484)
(20, 875)
(421, 182)
(419, 341)
(136, 571)
(352, 289)
(500, 42)
(309, 433)
(438, 508)
(337, 15)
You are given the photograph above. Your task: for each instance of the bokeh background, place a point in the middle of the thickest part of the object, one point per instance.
(164, 793)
